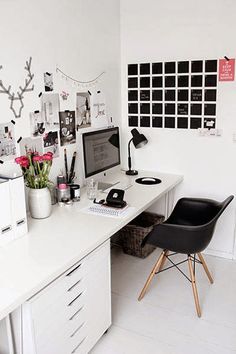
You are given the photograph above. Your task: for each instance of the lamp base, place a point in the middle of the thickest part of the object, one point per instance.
(132, 172)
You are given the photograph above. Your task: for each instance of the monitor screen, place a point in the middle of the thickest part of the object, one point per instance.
(101, 150)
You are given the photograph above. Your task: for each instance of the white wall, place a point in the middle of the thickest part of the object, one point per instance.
(81, 37)
(156, 30)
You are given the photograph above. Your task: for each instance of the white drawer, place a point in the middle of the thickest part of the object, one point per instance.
(75, 274)
(78, 336)
(78, 288)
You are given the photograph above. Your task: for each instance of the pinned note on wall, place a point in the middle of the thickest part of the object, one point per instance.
(226, 69)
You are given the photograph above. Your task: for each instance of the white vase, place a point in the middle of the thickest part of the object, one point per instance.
(40, 206)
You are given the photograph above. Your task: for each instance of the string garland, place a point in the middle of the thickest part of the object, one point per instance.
(79, 83)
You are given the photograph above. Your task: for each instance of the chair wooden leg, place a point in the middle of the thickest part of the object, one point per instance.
(200, 256)
(163, 260)
(194, 287)
(151, 275)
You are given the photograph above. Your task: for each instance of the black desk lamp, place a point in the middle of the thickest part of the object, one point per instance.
(139, 140)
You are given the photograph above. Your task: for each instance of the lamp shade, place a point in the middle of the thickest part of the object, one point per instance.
(139, 140)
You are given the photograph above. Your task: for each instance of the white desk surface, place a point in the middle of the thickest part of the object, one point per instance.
(54, 244)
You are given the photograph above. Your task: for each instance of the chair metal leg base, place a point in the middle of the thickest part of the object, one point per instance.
(159, 263)
(200, 256)
(194, 287)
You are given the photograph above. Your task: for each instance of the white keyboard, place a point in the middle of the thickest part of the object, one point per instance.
(106, 211)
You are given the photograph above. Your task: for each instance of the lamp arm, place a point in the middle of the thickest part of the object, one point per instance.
(129, 156)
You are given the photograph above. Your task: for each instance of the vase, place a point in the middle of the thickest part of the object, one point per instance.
(40, 206)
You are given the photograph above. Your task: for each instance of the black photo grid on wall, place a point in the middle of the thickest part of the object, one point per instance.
(174, 94)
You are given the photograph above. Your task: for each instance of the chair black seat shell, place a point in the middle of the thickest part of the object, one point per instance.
(190, 227)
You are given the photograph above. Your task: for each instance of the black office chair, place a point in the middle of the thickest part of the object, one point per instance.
(188, 230)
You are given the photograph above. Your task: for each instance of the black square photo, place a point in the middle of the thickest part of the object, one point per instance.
(210, 80)
(183, 81)
(210, 95)
(196, 80)
(157, 95)
(144, 121)
(169, 108)
(195, 123)
(183, 67)
(133, 95)
(144, 69)
(182, 95)
(133, 108)
(182, 122)
(157, 122)
(157, 81)
(211, 66)
(196, 109)
(182, 108)
(145, 95)
(132, 82)
(145, 108)
(157, 108)
(157, 68)
(169, 122)
(170, 67)
(170, 81)
(133, 121)
(209, 109)
(196, 95)
(197, 66)
(169, 95)
(209, 123)
(144, 82)
(132, 69)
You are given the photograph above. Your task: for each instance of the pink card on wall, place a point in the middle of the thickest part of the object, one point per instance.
(226, 69)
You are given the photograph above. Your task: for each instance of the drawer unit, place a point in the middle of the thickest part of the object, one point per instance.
(72, 313)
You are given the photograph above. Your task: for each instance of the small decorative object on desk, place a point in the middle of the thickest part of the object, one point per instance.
(92, 188)
(35, 169)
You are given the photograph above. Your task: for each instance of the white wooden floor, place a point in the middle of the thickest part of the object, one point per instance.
(165, 322)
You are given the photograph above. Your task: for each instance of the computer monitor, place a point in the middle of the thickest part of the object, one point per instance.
(101, 151)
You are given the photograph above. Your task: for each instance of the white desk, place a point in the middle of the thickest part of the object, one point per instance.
(55, 244)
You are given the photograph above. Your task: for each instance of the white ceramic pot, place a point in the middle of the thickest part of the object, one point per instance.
(40, 206)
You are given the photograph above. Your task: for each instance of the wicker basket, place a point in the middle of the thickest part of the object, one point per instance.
(132, 235)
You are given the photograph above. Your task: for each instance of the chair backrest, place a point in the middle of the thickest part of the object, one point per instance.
(190, 227)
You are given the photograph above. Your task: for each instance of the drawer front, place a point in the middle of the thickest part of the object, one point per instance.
(74, 311)
(75, 274)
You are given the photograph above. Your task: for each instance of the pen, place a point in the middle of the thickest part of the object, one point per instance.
(72, 167)
(66, 166)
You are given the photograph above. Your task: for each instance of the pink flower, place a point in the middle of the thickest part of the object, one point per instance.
(47, 157)
(21, 159)
(18, 160)
(49, 153)
(37, 158)
(25, 163)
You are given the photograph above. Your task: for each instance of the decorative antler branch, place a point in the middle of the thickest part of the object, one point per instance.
(20, 93)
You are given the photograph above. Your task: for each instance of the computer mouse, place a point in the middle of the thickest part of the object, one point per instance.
(149, 179)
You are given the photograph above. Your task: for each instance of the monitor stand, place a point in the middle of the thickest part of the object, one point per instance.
(102, 186)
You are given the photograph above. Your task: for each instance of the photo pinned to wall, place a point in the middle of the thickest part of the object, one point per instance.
(48, 81)
(50, 107)
(83, 110)
(67, 127)
(99, 118)
(51, 143)
(7, 141)
(37, 124)
(29, 145)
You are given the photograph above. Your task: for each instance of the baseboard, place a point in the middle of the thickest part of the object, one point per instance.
(221, 254)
